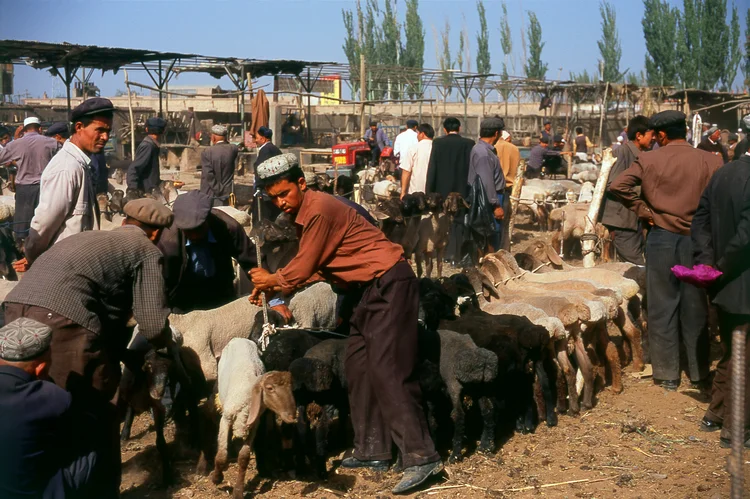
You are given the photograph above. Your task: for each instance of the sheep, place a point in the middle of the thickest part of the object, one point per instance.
(7, 208)
(344, 186)
(571, 221)
(245, 390)
(207, 332)
(400, 221)
(102, 200)
(541, 196)
(386, 189)
(242, 217)
(116, 201)
(434, 230)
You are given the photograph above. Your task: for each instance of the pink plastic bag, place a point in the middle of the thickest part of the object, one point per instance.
(701, 276)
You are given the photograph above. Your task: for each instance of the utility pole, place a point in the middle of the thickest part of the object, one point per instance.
(362, 91)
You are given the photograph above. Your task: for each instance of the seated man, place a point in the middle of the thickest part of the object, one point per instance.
(198, 250)
(38, 457)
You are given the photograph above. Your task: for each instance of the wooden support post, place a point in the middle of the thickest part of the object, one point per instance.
(589, 233)
(515, 193)
(601, 114)
(362, 94)
(130, 114)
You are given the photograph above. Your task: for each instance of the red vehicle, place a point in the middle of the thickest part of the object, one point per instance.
(357, 155)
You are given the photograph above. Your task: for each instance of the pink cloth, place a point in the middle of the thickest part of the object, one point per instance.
(701, 276)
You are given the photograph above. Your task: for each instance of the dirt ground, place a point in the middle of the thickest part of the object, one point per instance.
(643, 443)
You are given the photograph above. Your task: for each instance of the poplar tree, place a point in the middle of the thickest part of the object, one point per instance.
(714, 41)
(506, 42)
(733, 55)
(747, 50)
(660, 32)
(484, 66)
(609, 45)
(351, 47)
(688, 47)
(535, 69)
(412, 55)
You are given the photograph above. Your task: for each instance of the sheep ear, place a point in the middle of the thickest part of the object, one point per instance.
(256, 403)
(379, 215)
(553, 256)
(466, 205)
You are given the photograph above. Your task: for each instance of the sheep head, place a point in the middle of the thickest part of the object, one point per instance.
(543, 251)
(420, 200)
(453, 203)
(311, 374)
(434, 202)
(156, 368)
(274, 391)
(390, 209)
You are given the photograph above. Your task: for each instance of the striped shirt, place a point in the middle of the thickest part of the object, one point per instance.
(97, 278)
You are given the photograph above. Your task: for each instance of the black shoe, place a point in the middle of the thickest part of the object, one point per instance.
(670, 385)
(708, 426)
(414, 476)
(352, 462)
(726, 443)
(702, 385)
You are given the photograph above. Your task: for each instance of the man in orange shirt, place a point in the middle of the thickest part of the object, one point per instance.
(510, 157)
(384, 393)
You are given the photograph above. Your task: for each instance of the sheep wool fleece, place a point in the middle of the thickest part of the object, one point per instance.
(381, 357)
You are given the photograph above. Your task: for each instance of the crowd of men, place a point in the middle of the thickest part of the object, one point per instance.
(68, 319)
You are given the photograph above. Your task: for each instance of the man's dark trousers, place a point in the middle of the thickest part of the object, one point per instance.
(675, 309)
(628, 244)
(27, 198)
(507, 209)
(720, 408)
(381, 360)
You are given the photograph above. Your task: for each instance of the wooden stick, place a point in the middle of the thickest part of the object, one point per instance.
(515, 193)
(589, 258)
(130, 113)
(435, 490)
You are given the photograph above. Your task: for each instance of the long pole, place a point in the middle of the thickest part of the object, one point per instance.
(130, 114)
(515, 194)
(601, 115)
(362, 93)
(738, 410)
(242, 103)
(589, 233)
(161, 96)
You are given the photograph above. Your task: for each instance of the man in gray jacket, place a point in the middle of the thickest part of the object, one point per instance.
(217, 166)
(622, 223)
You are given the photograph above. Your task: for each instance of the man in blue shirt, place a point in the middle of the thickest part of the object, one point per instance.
(485, 164)
(537, 156)
(377, 140)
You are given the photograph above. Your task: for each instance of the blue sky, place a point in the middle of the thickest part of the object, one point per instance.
(302, 29)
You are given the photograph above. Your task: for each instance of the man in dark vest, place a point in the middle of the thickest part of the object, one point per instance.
(581, 145)
(217, 166)
(448, 171)
(720, 238)
(143, 173)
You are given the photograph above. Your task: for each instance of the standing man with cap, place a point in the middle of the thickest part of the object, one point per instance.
(377, 140)
(509, 157)
(622, 223)
(406, 141)
(266, 148)
(448, 171)
(45, 446)
(143, 173)
(58, 131)
(31, 154)
(198, 251)
(720, 236)
(86, 288)
(538, 155)
(67, 199)
(672, 180)
(217, 166)
(485, 165)
(547, 131)
(712, 143)
(382, 351)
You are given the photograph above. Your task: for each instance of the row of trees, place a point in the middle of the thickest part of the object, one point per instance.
(693, 48)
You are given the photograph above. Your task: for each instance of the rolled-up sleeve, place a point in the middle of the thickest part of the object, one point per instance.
(624, 187)
(317, 246)
(150, 299)
(57, 197)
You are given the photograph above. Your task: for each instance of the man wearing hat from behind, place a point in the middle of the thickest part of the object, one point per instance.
(67, 201)
(198, 251)
(31, 153)
(46, 452)
(86, 288)
(672, 180)
(406, 141)
(381, 357)
(485, 165)
(143, 172)
(712, 143)
(58, 131)
(217, 166)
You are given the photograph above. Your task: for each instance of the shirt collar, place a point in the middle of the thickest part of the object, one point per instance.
(30, 133)
(210, 239)
(304, 214)
(18, 373)
(487, 145)
(264, 144)
(76, 151)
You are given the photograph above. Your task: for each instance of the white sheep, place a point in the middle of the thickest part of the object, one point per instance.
(386, 189)
(245, 391)
(315, 307)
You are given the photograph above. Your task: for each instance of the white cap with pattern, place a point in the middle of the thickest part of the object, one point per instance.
(276, 165)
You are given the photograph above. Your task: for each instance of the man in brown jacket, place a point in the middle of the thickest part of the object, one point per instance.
(672, 180)
(510, 157)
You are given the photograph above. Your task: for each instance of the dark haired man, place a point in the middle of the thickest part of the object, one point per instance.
(266, 148)
(547, 131)
(67, 200)
(712, 143)
(58, 131)
(414, 168)
(4, 137)
(143, 172)
(672, 180)
(31, 154)
(581, 145)
(384, 394)
(744, 145)
(406, 141)
(485, 165)
(377, 140)
(448, 171)
(509, 157)
(622, 223)
(537, 156)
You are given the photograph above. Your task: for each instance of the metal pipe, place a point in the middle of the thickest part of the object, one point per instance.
(738, 410)
(161, 87)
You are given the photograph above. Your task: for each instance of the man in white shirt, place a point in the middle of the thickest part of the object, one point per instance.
(406, 141)
(414, 168)
(67, 201)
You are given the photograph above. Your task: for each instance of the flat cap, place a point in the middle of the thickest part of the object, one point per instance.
(92, 107)
(411, 123)
(547, 122)
(266, 132)
(276, 165)
(191, 209)
(492, 123)
(373, 123)
(557, 138)
(667, 119)
(59, 128)
(149, 212)
(156, 124)
(220, 130)
(32, 120)
(24, 339)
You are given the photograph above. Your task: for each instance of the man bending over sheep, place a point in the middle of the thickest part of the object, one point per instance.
(85, 288)
(356, 257)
